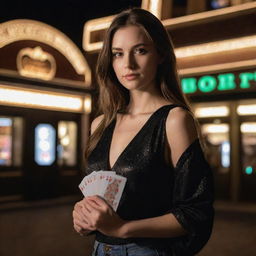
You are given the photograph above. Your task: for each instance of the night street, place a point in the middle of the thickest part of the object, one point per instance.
(46, 230)
(149, 104)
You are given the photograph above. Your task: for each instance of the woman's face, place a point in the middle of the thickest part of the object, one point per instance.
(134, 58)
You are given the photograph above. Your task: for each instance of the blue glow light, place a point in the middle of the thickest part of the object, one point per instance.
(5, 121)
(225, 154)
(216, 4)
(45, 136)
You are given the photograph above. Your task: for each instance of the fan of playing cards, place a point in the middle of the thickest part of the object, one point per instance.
(106, 184)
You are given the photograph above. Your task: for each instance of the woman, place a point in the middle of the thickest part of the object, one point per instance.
(148, 134)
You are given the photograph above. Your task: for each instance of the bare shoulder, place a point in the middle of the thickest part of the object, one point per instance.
(95, 123)
(180, 130)
(179, 117)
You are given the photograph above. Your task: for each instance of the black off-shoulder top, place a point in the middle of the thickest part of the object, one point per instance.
(155, 188)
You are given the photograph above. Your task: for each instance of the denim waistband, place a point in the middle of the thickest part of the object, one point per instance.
(130, 249)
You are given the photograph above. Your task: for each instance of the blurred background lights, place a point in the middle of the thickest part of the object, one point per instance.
(249, 170)
(225, 154)
(44, 145)
(5, 121)
(212, 111)
(62, 130)
(216, 4)
(246, 109)
(216, 128)
(248, 127)
(45, 138)
(65, 141)
(43, 133)
(87, 104)
(29, 98)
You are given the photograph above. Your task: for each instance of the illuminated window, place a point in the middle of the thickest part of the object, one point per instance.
(11, 134)
(67, 143)
(216, 137)
(248, 130)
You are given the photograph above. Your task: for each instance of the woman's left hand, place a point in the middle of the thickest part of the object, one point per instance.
(101, 216)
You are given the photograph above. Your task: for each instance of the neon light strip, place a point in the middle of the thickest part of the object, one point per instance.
(216, 128)
(38, 99)
(216, 47)
(218, 67)
(248, 127)
(212, 111)
(246, 110)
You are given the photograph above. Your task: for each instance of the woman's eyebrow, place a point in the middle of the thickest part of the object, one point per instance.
(137, 45)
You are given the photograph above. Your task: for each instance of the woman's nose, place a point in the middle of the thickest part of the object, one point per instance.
(130, 61)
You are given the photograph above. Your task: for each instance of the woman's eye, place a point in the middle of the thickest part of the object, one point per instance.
(140, 51)
(116, 54)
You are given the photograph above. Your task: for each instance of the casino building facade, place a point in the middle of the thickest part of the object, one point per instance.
(45, 102)
(47, 95)
(215, 52)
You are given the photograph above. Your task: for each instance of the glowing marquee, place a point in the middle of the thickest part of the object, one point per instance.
(17, 30)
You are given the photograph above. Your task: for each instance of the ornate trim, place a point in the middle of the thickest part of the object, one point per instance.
(22, 29)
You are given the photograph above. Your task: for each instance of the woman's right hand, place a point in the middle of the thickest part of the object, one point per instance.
(79, 220)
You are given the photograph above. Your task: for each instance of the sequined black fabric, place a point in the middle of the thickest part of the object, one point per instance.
(155, 188)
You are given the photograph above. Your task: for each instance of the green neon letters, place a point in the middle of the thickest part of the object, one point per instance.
(220, 82)
(246, 78)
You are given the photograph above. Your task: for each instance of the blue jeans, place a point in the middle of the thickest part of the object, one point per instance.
(131, 249)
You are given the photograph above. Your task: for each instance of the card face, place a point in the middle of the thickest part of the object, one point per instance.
(86, 184)
(106, 184)
(114, 190)
(82, 187)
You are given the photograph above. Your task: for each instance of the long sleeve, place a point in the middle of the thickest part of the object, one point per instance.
(193, 200)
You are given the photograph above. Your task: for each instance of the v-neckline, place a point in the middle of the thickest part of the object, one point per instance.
(131, 141)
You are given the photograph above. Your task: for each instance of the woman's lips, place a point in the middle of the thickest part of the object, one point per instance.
(131, 77)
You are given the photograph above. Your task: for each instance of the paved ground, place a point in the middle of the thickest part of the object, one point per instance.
(234, 232)
(45, 229)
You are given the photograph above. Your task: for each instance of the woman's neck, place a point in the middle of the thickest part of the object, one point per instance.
(145, 102)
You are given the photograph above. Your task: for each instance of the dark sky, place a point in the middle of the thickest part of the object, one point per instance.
(68, 16)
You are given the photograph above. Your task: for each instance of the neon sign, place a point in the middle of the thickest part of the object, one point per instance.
(221, 82)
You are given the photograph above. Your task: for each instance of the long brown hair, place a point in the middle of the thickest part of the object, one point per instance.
(114, 97)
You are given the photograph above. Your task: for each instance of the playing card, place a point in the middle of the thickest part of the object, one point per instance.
(86, 184)
(106, 184)
(114, 190)
(102, 180)
(82, 186)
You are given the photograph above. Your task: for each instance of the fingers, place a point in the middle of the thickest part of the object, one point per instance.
(82, 225)
(92, 205)
(84, 232)
(88, 212)
(81, 231)
(84, 218)
(77, 228)
(97, 203)
(78, 216)
(80, 219)
(79, 209)
(78, 205)
(97, 200)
